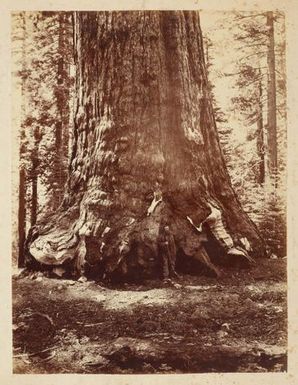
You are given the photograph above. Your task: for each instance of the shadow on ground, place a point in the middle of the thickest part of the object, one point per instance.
(233, 324)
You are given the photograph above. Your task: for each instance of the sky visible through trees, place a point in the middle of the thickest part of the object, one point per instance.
(238, 72)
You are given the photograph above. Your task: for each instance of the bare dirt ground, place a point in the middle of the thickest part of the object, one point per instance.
(237, 323)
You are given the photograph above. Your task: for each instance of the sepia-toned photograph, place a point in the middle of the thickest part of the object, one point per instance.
(149, 226)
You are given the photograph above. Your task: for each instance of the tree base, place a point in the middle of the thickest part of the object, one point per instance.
(131, 253)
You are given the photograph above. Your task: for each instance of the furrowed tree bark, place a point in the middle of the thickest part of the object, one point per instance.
(145, 137)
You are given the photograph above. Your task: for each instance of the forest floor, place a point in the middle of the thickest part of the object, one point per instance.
(237, 323)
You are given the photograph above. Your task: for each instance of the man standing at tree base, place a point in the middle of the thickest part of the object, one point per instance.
(167, 248)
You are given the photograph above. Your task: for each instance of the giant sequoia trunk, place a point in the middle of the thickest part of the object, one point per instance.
(145, 149)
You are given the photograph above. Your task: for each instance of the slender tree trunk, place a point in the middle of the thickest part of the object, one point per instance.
(22, 216)
(62, 102)
(22, 175)
(271, 117)
(34, 177)
(207, 45)
(146, 150)
(34, 184)
(260, 137)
